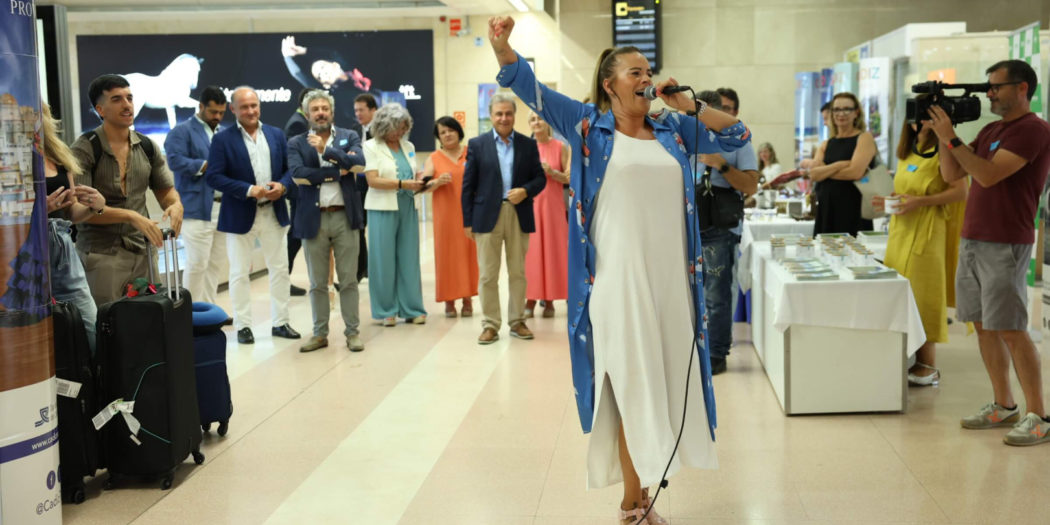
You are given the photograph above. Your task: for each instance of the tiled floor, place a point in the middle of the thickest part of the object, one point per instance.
(426, 427)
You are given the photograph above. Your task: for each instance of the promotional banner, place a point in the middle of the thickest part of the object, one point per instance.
(844, 77)
(29, 484)
(167, 71)
(1024, 45)
(874, 95)
(807, 114)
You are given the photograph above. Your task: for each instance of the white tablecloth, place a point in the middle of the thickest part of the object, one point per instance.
(879, 304)
(762, 229)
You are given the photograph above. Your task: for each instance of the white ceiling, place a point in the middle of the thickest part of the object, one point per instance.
(376, 7)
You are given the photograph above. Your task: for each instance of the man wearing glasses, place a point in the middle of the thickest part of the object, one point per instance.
(1008, 162)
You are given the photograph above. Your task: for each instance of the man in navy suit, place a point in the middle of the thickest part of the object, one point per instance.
(328, 215)
(502, 175)
(187, 150)
(248, 163)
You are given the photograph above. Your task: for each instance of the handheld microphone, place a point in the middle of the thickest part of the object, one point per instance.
(650, 91)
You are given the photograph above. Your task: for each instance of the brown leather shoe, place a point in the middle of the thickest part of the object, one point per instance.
(488, 336)
(521, 331)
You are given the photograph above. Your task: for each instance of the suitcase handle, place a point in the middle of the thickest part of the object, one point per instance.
(171, 275)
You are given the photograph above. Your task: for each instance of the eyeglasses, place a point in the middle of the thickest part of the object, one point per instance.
(843, 110)
(994, 88)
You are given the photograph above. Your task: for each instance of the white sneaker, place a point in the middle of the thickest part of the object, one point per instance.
(1031, 430)
(992, 415)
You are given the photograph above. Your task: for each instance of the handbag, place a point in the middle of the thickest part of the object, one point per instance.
(717, 207)
(877, 181)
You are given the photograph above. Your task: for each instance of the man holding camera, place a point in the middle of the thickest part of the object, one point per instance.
(1008, 162)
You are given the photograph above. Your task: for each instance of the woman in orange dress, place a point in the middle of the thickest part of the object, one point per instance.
(455, 255)
(546, 262)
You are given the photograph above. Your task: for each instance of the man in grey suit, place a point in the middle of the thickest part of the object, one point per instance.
(187, 150)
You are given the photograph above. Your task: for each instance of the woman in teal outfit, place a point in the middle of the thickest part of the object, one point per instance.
(394, 281)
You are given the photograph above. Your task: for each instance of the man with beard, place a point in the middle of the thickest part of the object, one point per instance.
(1008, 162)
(121, 164)
(187, 151)
(328, 212)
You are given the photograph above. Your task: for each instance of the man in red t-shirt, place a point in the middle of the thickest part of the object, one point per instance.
(1008, 162)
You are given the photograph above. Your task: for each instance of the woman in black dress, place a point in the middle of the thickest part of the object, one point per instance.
(842, 160)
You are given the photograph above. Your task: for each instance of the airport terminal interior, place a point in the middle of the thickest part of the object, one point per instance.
(821, 411)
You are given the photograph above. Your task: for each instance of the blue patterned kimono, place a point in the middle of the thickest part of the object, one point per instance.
(590, 135)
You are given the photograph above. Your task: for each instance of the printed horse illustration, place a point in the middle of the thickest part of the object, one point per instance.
(170, 89)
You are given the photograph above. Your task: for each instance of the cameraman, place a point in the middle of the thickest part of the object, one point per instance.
(1008, 161)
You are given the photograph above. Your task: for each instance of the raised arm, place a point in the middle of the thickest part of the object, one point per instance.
(987, 173)
(558, 110)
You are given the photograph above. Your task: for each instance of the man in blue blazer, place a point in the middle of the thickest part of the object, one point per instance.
(502, 175)
(248, 163)
(187, 150)
(328, 215)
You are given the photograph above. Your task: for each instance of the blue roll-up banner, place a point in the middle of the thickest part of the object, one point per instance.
(29, 484)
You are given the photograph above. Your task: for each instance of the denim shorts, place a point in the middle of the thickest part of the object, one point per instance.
(990, 284)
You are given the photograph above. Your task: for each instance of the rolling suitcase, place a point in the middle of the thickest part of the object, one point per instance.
(213, 382)
(149, 422)
(77, 402)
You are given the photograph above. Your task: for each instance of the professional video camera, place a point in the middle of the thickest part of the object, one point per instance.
(964, 108)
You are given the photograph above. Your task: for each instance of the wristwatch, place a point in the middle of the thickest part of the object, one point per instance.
(723, 168)
(955, 143)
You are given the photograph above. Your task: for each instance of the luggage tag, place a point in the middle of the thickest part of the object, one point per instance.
(67, 388)
(124, 408)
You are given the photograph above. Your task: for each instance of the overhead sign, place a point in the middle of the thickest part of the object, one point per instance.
(637, 23)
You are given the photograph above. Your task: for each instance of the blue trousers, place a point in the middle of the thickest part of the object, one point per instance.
(68, 280)
(395, 283)
(719, 246)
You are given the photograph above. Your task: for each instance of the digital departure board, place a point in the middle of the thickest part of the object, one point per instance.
(637, 23)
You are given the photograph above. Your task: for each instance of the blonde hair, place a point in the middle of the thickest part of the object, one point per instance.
(858, 121)
(550, 130)
(54, 149)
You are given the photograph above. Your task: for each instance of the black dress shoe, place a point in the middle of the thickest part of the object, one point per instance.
(228, 322)
(245, 337)
(718, 366)
(285, 331)
(296, 291)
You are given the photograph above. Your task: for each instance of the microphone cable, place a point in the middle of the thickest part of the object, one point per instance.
(695, 345)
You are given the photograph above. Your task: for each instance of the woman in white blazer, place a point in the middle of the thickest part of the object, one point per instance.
(394, 280)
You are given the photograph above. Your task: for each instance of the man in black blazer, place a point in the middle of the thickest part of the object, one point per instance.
(502, 175)
(328, 215)
(297, 125)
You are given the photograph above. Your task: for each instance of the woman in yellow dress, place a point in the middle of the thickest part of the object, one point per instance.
(924, 239)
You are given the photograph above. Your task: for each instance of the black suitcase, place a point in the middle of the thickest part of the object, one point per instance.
(213, 382)
(78, 445)
(145, 357)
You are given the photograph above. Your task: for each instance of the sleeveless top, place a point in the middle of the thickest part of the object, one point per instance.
(838, 201)
(59, 181)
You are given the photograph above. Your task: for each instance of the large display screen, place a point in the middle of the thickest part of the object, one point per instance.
(167, 71)
(637, 23)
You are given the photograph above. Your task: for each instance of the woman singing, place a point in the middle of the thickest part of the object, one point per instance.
(635, 293)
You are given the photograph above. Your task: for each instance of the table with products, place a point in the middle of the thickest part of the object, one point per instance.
(831, 346)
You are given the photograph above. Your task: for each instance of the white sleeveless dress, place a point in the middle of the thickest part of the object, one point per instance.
(642, 320)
